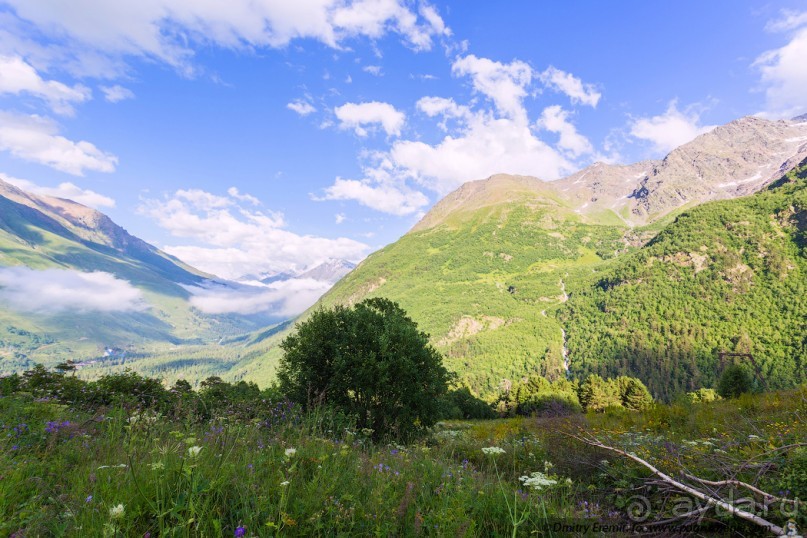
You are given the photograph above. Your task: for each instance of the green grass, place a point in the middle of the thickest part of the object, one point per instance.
(64, 467)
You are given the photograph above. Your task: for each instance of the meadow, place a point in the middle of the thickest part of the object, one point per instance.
(123, 456)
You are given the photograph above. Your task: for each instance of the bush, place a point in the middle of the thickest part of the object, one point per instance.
(368, 361)
(734, 381)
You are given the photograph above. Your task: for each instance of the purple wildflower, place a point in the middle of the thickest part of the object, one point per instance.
(240, 531)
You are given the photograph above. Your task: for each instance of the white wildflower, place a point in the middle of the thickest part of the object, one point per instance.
(492, 450)
(284, 483)
(290, 452)
(537, 481)
(116, 512)
(193, 451)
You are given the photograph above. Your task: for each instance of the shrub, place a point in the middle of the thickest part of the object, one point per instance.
(734, 381)
(369, 361)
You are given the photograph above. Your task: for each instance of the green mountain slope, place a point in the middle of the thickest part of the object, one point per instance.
(488, 273)
(47, 233)
(725, 276)
(483, 277)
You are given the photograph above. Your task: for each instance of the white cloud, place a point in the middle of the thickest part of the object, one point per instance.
(34, 138)
(572, 86)
(17, 76)
(358, 116)
(167, 29)
(505, 84)
(303, 108)
(385, 197)
(479, 142)
(374, 70)
(285, 298)
(669, 130)
(59, 290)
(784, 70)
(231, 241)
(244, 197)
(555, 120)
(66, 190)
(116, 93)
(790, 20)
(339, 218)
(484, 146)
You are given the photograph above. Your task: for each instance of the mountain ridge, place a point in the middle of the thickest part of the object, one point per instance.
(487, 270)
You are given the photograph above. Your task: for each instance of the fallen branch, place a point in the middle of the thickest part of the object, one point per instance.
(739, 484)
(711, 501)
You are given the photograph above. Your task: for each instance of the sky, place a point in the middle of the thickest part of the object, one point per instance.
(250, 137)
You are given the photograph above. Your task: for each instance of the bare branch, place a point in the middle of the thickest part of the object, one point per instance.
(739, 484)
(711, 501)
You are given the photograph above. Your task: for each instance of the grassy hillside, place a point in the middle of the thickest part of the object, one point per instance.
(484, 282)
(725, 276)
(487, 282)
(42, 239)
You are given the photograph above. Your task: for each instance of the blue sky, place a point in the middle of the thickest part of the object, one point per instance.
(261, 136)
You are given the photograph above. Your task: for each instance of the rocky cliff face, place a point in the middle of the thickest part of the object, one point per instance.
(732, 160)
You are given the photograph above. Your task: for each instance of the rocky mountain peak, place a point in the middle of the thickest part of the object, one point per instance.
(731, 160)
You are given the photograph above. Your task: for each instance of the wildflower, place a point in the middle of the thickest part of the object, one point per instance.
(285, 483)
(548, 465)
(116, 512)
(240, 531)
(88, 499)
(193, 451)
(492, 450)
(537, 481)
(290, 452)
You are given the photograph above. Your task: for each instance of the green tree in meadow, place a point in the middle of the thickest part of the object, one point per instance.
(369, 361)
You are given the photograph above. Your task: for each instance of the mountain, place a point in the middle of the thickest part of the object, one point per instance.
(330, 270)
(494, 271)
(725, 276)
(46, 233)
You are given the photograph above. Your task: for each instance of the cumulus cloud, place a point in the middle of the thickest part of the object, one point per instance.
(166, 29)
(285, 298)
(572, 86)
(361, 116)
(480, 140)
(59, 290)
(36, 139)
(116, 93)
(485, 146)
(18, 77)
(505, 84)
(671, 129)
(556, 120)
(67, 190)
(339, 218)
(384, 197)
(230, 240)
(303, 108)
(783, 71)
